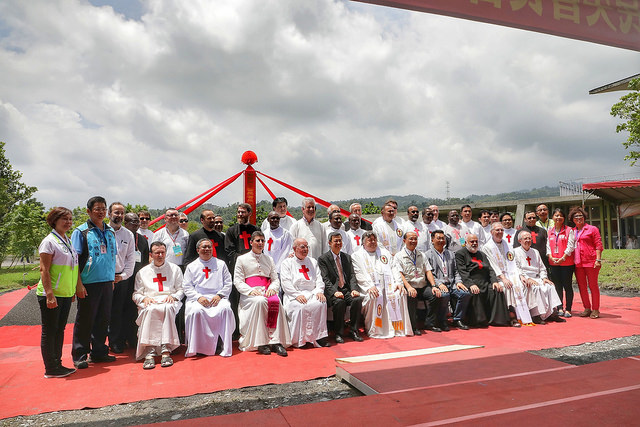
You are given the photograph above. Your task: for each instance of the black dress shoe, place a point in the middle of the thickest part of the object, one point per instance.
(339, 339)
(117, 349)
(280, 350)
(445, 328)
(102, 359)
(538, 320)
(417, 332)
(435, 329)
(461, 325)
(323, 342)
(555, 318)
(81, 364)
(355, 336)
(264, 349)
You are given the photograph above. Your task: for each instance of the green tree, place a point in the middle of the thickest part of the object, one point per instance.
(80, 216)
(370, 209)
(628, 109)
(28, 227)
(12, 192)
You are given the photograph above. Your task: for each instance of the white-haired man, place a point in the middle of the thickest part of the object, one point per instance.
(310, 229)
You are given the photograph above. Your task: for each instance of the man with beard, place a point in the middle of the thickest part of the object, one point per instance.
(454, 232)
(417, 226)
(238, 236)
(278, 241)
(387, 230)
(427, 220)
(487, 306)
(207, 219)
(385, 303)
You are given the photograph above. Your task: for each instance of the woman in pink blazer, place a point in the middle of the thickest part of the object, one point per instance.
(588, 260)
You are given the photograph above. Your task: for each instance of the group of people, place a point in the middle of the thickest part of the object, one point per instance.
(275, 286)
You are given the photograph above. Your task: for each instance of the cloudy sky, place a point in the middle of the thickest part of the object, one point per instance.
(154, 101)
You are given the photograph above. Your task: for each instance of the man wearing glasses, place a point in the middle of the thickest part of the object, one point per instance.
(144, 218)
(543, 213)
(416, 226)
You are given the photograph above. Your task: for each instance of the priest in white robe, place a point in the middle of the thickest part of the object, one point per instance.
(263, 323)
(158, 294)
(502, 259)
(304, 299)
(310, 229)
(387, 230)
(354, 234)
(278, 241)
(335, 226)
(415, 224)
(385, 301)
(208, 314)
(509, 232)
(533, 274)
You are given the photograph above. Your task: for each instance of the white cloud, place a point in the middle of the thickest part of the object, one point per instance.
(341, 99)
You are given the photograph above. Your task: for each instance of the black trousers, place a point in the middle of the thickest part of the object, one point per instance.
(122, 326)
(339, 307)
(92, 321)
(562, 277)
(54, 321)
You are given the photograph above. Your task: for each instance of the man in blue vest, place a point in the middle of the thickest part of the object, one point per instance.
(95, 243)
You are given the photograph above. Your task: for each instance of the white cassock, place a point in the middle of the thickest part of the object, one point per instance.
(286, 222)
(486, 236)
(346, 241)
(277, 244)
(389, 235)
(355, 237)
(387, 315)
(253, 310)
(313, 233)
(457, 237)
(307, 322)
(530, 264)
(472, 227)
(420, 228)
(431, 227)
(204, 325)
(157, 321)
(502, 260)
(509, 236)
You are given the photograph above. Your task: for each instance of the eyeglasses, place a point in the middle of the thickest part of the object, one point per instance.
(184, 220)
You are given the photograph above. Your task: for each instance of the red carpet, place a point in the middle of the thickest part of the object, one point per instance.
(21, 369)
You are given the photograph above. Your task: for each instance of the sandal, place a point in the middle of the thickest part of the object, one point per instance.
(595, 314)
(149, 363)
(567, 313)
(585, 313)
(166, 361)
(515, 323)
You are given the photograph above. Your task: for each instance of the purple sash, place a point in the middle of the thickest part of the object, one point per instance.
(273, 301)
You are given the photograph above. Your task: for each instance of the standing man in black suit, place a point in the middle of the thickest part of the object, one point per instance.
(340, 283)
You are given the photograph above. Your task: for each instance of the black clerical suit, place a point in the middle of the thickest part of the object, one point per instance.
(329, 271)
(489, 306)
(217, 240)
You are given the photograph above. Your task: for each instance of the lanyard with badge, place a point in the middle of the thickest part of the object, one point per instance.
(177, 249)
(67, 247)
(138, 253)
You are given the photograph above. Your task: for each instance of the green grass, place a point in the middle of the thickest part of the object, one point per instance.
(12, 278)
(620, 270)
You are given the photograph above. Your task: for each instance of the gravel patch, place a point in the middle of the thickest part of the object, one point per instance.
(591, 352)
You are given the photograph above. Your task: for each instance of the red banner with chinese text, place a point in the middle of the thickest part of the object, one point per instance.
(608, 22)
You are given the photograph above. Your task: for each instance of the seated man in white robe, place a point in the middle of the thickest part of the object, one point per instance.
(278, 241)
(263, 324)
(521, 302)
(533, 274)
(158, 292)
(304, 299)
(209, 320)
(385, 300)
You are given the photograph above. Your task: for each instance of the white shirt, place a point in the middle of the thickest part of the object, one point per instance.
(424, 237)
(286, 222)
(126, 256)
(176, 244)
(355, 237)
(313, 233)
(148, 234)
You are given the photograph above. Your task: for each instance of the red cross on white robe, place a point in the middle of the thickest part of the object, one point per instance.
(245, 236)
(533, 237)
(417, 232)
(269, 242)
(528, 258)
(214, 245)
(206, 271)
(477, 261)
(304, 270)
(509, 238)
(160, 280)
(357, 239)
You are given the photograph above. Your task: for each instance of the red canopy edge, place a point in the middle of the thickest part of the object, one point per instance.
(611, 184)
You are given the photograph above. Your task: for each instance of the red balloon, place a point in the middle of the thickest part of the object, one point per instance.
(249, 158)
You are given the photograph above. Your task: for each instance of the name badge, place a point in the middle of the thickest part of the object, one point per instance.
(138, 256)
(103, 249)
(177, 250)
